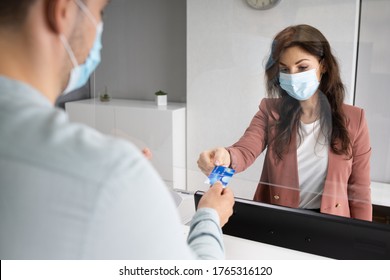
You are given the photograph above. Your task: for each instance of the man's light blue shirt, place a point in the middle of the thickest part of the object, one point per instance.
(69, 192)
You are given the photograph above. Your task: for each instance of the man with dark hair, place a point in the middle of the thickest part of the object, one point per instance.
(67, 191)
(13, 12)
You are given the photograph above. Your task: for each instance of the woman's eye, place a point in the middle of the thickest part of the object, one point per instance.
(302, 68)
(283, 70)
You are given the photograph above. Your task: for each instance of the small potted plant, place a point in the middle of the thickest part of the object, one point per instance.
(161, 98)
(105, 97)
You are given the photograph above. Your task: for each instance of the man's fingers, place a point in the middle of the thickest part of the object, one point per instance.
(217, 187)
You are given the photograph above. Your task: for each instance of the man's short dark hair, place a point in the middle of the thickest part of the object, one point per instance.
(14, 12)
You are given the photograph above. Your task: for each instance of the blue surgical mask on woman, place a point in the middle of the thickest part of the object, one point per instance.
(80, 74)
(300, 86)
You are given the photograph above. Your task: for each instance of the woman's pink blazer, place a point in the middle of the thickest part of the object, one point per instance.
(347, 185)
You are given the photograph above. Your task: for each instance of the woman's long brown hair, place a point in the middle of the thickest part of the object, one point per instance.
(331, 90)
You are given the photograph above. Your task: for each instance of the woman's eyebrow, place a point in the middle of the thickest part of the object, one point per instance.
(299, 61)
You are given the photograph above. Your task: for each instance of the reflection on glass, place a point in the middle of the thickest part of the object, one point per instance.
(317, 148)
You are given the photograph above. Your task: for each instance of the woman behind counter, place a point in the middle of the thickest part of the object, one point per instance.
(318, 148)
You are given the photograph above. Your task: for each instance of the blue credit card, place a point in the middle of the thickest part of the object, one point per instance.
(222, 174)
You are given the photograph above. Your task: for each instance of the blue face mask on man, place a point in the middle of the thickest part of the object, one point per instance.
(300, 86)
(80, 74)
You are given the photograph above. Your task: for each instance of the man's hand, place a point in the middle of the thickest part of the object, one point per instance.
(220, 199)
(147, 153)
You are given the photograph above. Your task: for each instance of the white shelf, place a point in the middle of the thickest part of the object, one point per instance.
(161, 129)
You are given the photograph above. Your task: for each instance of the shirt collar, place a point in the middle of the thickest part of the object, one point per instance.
(18, 91)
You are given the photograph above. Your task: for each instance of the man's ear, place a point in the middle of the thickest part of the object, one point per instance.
(60, 15)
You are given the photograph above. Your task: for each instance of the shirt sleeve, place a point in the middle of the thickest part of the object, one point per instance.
(245, 151)
(205, 236)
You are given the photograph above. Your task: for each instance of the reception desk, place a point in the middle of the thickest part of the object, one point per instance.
(263, 231)
(243, 249)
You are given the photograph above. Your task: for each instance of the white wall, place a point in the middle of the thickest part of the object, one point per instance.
(373, 76)
(144, 49)
(227, 43)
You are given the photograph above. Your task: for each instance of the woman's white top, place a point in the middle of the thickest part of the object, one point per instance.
(312, 157)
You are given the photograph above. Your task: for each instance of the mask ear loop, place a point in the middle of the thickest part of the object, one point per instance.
(69, 50)
(85, 9)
